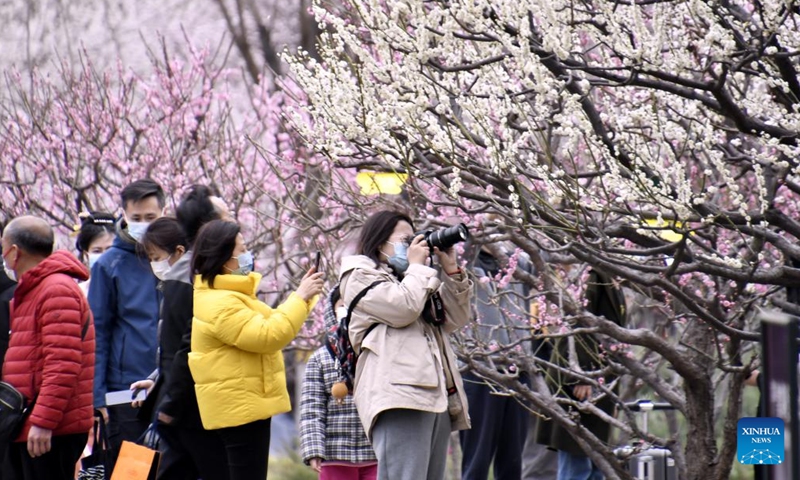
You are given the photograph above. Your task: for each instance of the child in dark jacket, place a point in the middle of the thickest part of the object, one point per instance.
(332, 438)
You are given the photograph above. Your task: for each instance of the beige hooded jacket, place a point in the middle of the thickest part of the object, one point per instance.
(400, 364)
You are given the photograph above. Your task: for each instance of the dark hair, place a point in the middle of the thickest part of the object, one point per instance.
(94, 224)
(213, 248)
(195, 210)
(141, 189)
(377, 230)
(34, 240)
(165, 233)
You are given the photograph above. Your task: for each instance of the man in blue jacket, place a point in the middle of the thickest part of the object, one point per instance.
(125, 301)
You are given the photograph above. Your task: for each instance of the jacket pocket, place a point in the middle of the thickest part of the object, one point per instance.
(411, 362)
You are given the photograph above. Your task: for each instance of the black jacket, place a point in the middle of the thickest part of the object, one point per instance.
(606, 300)
(7, 287)
(177, 397)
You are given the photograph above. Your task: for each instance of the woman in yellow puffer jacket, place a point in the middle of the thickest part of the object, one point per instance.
(236, 358)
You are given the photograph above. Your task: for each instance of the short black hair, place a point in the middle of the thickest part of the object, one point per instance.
(165, 233)
(94, 224)
(195, 210)
(213, 248)
(141, 189)
(377, 230)
(36, 241)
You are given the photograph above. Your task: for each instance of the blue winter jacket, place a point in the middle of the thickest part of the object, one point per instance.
(124, 299)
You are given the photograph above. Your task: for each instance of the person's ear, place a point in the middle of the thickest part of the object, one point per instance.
(12, 264)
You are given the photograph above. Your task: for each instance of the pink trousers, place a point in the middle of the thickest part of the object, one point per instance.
(348, 472)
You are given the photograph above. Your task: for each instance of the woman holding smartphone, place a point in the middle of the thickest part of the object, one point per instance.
(408, 390)
(236, 358)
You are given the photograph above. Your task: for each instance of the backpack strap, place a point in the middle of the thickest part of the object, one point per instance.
(361, 294)
(359, 297)
(330, 343)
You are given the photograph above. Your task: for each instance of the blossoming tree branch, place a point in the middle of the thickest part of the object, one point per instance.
(655, 141)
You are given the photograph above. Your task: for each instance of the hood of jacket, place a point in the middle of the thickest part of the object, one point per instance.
(123, 241)
(124, 236)
(352, 262)
(58, 262)
(181, 271)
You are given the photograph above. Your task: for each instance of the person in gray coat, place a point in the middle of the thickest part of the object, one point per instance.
(498, 437)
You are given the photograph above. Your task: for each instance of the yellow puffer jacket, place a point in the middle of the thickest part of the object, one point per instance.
(236, 358)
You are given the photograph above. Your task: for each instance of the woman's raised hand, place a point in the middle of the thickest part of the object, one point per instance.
(418, 251)
(447, 259)
(311, 285)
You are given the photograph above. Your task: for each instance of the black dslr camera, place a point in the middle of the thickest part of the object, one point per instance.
(444, 238)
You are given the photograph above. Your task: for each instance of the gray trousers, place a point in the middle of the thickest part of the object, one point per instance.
(411, 444)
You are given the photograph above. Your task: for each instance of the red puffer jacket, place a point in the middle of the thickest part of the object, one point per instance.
(47, 357)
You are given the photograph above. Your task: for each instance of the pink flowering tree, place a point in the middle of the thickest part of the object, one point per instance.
(72, 140)
(655, 141)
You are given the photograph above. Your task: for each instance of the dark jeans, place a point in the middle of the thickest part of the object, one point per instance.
(189, 453)
(499, 428)
(123, 424)
(247, 449)
(57, 464)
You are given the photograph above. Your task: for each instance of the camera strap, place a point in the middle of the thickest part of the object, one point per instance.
(433, 312)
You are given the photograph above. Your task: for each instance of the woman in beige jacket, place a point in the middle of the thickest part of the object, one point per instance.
(408, 391)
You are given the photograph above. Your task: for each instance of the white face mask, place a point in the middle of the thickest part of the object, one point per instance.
(93, 257)
(10, 273)
(341, 312)
(160, 268)
(137, 229)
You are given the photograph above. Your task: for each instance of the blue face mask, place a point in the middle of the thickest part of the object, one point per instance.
(399, 261)
(245, 264)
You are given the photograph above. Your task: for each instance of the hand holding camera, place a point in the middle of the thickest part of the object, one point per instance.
(418, 250)
(447, 259)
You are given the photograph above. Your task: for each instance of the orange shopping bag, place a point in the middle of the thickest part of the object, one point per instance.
(136, 462)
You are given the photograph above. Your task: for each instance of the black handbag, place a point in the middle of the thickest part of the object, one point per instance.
(14, 409)
(98, 464)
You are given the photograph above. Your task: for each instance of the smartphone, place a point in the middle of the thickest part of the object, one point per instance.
(317, 259)
(124, 397)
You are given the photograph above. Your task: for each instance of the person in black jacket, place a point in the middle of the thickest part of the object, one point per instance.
(189, 451)
(7, 287)
(604, 299)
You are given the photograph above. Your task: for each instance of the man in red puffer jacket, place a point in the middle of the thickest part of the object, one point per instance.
(50, 357)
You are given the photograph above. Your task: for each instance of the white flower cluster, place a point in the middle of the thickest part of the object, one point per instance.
(618, 107)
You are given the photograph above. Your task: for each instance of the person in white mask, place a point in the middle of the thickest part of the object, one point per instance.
(95, 235)
(165, 243)
(125, 301)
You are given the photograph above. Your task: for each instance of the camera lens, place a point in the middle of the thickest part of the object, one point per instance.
(447, 237)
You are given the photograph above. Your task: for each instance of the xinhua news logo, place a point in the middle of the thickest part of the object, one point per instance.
(760, 441)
